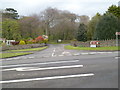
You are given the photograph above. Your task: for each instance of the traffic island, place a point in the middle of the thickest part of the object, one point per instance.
(21, 52)
(8, 55)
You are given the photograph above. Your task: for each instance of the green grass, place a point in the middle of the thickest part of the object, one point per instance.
(6, 55)
(58, 43)
(31, 49)
(91, 48)
(63, 42)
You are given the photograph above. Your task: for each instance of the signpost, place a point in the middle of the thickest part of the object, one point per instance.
(94, 44)
(117, 33)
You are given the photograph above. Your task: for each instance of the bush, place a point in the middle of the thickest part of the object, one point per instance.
(3, 44)
(15, 43)
(29, 42)
(0, 42)
(22, 42)
(39, 39)
(45, 41)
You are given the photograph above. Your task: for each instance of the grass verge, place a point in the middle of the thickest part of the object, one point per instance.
(6, 55)
(113, 48)
(31, 49)
(63, 42)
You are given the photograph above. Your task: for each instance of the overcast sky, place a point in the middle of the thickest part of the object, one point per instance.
(80, 7)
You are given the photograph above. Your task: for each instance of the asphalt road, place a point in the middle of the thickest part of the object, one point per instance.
(56, 67)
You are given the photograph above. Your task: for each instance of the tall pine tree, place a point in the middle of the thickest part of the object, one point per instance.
(82, 32)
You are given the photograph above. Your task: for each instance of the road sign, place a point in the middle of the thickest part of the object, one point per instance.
(117, 33)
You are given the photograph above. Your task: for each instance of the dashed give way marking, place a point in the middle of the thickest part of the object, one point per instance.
(47, 78)
(36, 68)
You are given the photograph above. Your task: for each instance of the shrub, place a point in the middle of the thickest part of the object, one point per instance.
(45, 41)
(15, 43)
(22, 42)
(3, 44)
(33, 41)
(39, 39)
(0, 42)
(29, 42)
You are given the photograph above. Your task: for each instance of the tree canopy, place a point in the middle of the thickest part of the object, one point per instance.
(10, 29)
(61, 24)
(115, 10)
(10, 13)
(106, 27)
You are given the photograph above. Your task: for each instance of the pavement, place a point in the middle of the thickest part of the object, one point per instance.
(56, 67)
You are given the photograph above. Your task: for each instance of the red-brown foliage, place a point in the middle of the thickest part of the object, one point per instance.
(39, 38)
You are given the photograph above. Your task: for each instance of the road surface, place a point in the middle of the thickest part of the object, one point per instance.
(56, 67)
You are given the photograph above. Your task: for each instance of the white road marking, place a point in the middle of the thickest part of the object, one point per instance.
(31, 57)
(36, 68)
(84, 53)
(41, 63)
(77, 54)
(65, 52)
(61, 55)
(92, 53)
(47, 78)
(46, 56)
(47, 68)
(53, 54)
(12, 69)
(109, 52)
(54, 50)
(9, 59)
(117, 57)
(21, 74)
(101, 52)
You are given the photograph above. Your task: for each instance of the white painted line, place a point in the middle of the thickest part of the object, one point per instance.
(48, 68)
(65, 52)
(31, 57)
(41, 63)
(117, 57)
(116, 52)
(9, 59)
(14, 58)
(12, 69)
(101, 52)
(46, 56)
(36, 68)
(61, 55)
(76, 54)
(92, 53)
(54, 50)
(52, 54)
(47, 78)
(84, 53)
(109, 52)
